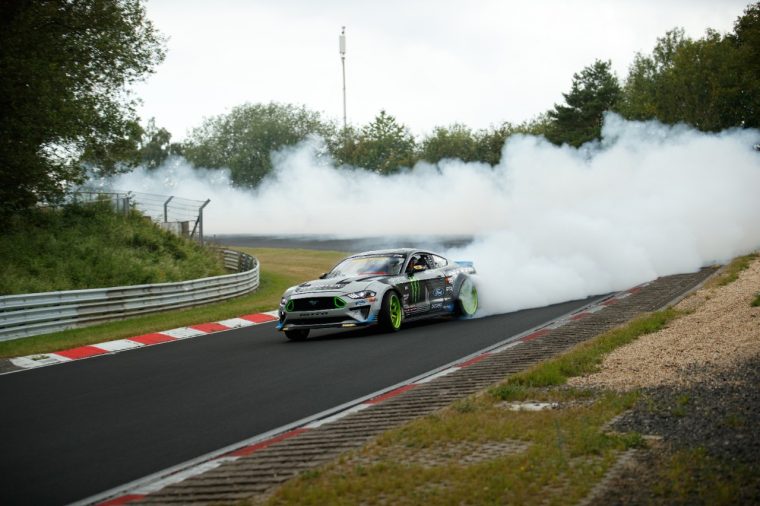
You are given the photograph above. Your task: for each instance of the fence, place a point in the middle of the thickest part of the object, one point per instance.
(176, 214)
(40, 313)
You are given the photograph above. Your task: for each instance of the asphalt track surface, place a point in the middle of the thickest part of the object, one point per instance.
(73, 430)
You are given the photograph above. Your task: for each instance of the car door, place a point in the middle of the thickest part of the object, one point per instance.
(424, 288)
(436, 282)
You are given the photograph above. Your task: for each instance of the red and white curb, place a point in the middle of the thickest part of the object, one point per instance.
(155, 483)
(119, 345)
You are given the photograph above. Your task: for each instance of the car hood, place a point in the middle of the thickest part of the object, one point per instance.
(347, 284)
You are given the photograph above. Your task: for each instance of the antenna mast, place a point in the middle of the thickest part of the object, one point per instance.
(342, 45)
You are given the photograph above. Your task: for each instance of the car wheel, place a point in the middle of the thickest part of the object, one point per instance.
(467, 300)
(391, 312)
(297, 335)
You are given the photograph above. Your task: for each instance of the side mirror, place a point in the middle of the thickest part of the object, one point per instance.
(323, 275)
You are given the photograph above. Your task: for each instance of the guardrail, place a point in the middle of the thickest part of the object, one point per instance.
(39, 313)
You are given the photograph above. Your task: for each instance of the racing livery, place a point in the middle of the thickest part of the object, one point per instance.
(385, 288)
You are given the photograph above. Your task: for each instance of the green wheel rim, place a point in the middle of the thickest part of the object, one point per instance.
(468, 296)
(395, 311)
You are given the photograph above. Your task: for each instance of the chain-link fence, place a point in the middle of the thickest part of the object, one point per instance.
(176, 214)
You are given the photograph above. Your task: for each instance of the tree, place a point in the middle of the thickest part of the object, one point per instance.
(702, 87)
(384, 146)
(456, 141)
(244, 139)
(746, 41)
(644, 88)
(712, 83)
(155, 145)
(685, 80)
(594, 90)
(65, 68)
(490, 142)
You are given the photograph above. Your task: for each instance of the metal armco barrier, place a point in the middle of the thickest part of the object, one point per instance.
(40, 313)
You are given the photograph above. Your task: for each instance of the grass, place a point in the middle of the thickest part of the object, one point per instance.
(568, 449)
(731, 272)
(280, 268)
(90, 246)
(691, 476)
(567, 452)
(584, 358)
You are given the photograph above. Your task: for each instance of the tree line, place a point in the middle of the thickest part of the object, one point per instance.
(711, 83)
(66, 66)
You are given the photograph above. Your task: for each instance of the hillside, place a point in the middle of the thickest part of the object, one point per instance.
(90, 246)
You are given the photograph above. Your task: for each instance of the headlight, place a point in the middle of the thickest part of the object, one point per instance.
(283, 301)
(365, 294)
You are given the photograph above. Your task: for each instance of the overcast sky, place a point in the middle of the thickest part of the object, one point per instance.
(428, 63)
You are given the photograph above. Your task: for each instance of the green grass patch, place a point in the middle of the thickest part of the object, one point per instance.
(584, 358)
(565, 453)
(756, 300)
(691, 476)
(91, 246)
(280, 269)
(731, 272)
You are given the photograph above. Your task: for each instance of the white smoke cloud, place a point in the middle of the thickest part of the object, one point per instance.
(550, 223)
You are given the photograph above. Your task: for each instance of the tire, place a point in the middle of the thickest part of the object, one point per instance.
(391, 312)
(467, 299)
(297, 335)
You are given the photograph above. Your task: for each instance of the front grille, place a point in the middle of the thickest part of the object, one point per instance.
(316, 303)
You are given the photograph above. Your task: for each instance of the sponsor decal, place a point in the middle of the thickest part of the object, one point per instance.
(414, 286)
(438, 292)
(289, 305)
(313, 314)
(338, 302)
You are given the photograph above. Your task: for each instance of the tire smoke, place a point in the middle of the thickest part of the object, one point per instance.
(549, 223)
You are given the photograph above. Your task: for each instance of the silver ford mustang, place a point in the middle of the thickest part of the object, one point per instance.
(384, 288)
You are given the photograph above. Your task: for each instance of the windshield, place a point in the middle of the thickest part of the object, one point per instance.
(376, 265)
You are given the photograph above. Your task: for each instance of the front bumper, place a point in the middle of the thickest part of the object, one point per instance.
(351, 314)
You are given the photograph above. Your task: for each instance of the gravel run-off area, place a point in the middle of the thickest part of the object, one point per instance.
(700, 384)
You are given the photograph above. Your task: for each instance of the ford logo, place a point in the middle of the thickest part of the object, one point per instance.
(313, 302)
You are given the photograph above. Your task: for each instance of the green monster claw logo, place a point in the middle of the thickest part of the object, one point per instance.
(339, 303)
(414, 286)
(289, 305)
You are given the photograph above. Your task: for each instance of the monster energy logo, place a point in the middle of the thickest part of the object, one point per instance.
(414, 286)
(339, 303)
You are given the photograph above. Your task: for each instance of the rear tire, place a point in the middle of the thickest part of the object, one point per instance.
(391, 312)
(297, 335)
(467, 299)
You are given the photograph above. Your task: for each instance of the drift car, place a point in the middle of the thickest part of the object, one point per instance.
(384, 288)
